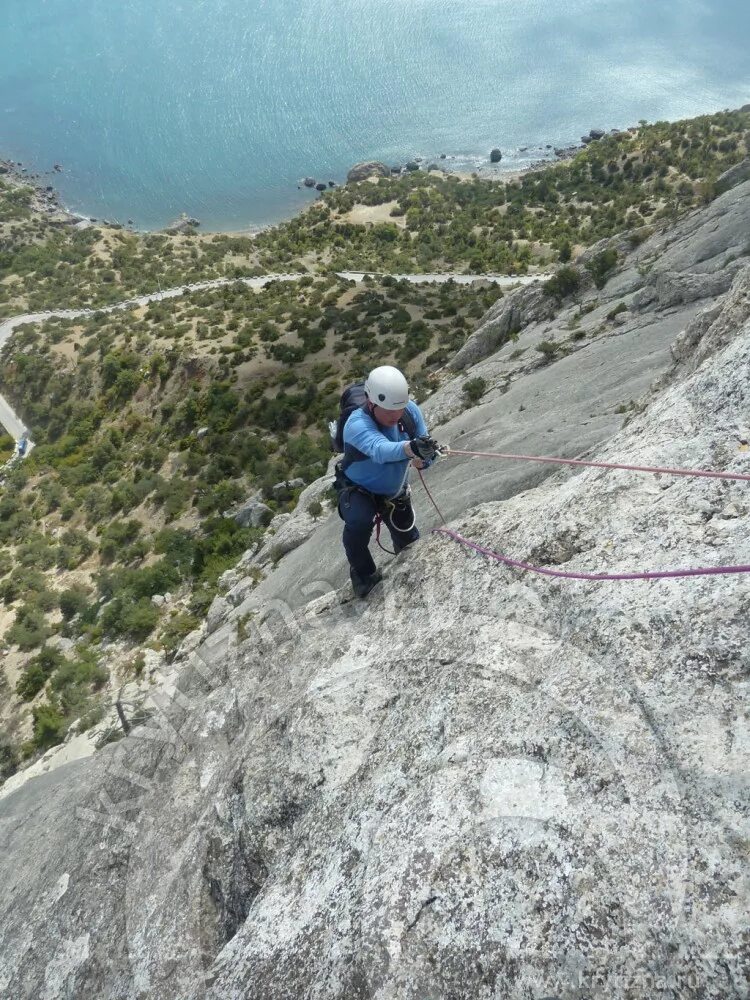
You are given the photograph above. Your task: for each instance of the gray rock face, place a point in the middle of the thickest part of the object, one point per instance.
(361, 171)
(694, 260)
(478, 783)
(510, 314)
(735, 175)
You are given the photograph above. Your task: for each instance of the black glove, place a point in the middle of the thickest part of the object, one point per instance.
(424, 448)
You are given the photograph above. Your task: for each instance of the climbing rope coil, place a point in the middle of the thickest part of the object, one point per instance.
(446, 452)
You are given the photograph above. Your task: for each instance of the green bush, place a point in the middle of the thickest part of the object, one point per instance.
(566, 281)
(9, 760)
(176, 629)
(548, 349)
(29, 629)
(73, 601)
(50, 726)
(127, 617)
(619, 308)
(37, 672)
(601, 266)
(474, 389)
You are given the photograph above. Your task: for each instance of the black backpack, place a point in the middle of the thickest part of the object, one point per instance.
(354, 398)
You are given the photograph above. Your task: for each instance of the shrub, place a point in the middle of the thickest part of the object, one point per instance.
(49, 726)
(8, 759)
(176, 629)
(548, 349)
(37, 671)
(73, 601)
(128, 617)
(600, 266)
(474, 389)
(619, 308)
(29, 630)
(564, 282)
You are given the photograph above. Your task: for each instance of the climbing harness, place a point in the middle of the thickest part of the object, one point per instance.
(653, 575)
(385, 507)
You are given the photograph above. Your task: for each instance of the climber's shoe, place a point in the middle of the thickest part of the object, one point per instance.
(363, 585)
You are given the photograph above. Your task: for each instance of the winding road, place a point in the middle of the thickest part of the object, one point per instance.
(15, 426)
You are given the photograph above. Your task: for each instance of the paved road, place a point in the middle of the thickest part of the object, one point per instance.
(14, 425)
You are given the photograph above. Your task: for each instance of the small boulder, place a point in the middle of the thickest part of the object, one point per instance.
(309, 182)
(596, 134)
(158, 600)
(252, 514)
(495, 156)
(202, 431)
(288, 485)
(332, 184)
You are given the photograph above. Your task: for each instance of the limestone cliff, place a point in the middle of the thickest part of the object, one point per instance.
(477, 783)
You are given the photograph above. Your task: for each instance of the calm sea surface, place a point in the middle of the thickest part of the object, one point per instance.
(219, 107)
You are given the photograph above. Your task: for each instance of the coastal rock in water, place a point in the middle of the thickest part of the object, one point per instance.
(395, 170)
(361, 171)
(185, 223)
(320, 187)
(495, 156)
(412, 165)
(442, 156)
(332, 184)
(597, 133)
(586, 139)
(309, 182)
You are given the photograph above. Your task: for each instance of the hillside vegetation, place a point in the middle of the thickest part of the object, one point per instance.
(153, 423)
(626, 180)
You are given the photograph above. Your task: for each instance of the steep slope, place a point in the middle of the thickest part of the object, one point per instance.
(478, 783)
(565, 403)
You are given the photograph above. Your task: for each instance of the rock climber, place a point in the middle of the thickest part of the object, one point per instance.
(382, 432)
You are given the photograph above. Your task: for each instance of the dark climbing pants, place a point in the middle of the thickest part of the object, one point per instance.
(358, 509)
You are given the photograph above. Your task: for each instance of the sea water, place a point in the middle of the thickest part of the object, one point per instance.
(219, 108)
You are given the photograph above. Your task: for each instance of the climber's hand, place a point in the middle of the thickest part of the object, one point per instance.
(424, 447)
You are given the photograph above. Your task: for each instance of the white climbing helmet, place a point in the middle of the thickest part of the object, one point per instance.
(387, 387)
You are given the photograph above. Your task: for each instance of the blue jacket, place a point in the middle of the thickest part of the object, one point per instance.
(386, 468)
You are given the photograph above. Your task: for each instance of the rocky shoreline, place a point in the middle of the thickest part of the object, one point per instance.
(548, 155)
(47, 200)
